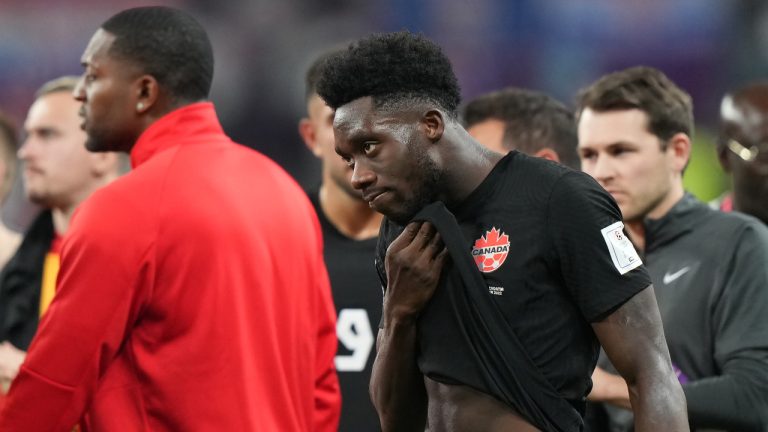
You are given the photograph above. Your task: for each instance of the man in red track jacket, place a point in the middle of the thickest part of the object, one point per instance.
(192, 293)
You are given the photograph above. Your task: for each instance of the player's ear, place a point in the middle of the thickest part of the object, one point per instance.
(308, 135)
(548, 153)
(147, 91)
(433, 124)
(680, 147)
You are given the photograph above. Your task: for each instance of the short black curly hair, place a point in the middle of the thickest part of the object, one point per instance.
(392, 68)
(168, 44)
(313, 73)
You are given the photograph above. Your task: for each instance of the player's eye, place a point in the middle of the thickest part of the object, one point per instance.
(369, 146)
(618, 151)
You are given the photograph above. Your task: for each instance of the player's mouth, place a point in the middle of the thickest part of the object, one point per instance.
(373, 197)
(81, 113)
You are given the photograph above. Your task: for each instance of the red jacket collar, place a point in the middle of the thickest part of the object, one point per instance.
(195, 121)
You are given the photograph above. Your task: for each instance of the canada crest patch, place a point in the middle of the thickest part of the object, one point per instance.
(491, 250)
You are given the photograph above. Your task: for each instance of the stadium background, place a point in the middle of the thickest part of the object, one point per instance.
(263, 47)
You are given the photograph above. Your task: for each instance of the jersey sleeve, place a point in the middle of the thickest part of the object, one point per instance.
(104, 281)
(600, 266)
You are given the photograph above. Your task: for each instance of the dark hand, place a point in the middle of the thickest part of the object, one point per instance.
(413, 264)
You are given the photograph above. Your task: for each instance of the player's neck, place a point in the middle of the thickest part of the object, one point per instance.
(353, 217)
(674, 195)
(61, 217)
(465, 166)
(636, 228)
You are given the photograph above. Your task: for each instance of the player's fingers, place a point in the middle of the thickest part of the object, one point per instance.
(424, 236)
(406, 237)
(442, 257)
(434, 246)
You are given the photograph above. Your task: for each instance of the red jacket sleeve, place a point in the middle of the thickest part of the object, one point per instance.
(101, 286)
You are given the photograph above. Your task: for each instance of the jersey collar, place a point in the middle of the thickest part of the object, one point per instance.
(197, 121)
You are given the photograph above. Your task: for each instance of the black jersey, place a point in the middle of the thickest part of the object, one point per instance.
(550, 245)
(357, 295)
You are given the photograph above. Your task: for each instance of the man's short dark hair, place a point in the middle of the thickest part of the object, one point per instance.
(391, 68)
(314, 72)
(168, 44)
(532, 121)
(66, 83)
(668, 107)
(8, 144)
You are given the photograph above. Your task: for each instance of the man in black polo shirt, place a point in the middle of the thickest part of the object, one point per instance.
(350, 228)
(504, 334)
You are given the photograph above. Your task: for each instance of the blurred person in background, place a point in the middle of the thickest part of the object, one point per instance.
(708, 267)
(525, 120)
(350, 229)
(743, 149)
(9, 239)
(192, 293)
(59, 174)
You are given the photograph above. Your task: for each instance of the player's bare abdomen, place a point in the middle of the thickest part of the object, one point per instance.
(457, 408)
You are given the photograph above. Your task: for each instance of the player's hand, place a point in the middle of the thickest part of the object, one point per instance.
(11, 359)
(413, 264)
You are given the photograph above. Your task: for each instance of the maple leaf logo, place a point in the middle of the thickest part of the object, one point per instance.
(492, 238)
(490, 250)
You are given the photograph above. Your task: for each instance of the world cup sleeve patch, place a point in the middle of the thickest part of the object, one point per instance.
(622, 251)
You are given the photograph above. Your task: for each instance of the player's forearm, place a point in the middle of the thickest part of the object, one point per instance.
(729, 402)
(659, 404)
(397, 385)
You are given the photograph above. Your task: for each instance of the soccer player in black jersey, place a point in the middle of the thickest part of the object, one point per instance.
(743, 147)
(556, 272)
(350, 228)
(708, 267)
(525, 120)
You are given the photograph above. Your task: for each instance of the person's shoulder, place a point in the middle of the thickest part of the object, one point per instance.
(734, 225)
(742, 222)
(569, 181)
(543, 172)
(123, 205)
(544, 166)
(261, 167)
(731, 220)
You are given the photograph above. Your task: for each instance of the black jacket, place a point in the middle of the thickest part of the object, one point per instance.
(20, 283)
(710, 276)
